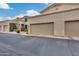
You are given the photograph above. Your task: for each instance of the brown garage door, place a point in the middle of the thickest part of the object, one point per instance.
(72, 28)
(42, 29)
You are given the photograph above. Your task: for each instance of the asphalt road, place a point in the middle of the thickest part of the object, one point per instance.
(18, 45)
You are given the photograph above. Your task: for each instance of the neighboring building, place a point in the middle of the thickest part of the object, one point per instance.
(12, 25)
(59, 19)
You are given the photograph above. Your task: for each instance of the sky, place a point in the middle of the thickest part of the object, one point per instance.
(13, 10)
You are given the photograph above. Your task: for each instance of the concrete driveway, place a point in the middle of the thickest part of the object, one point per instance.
(21, 45)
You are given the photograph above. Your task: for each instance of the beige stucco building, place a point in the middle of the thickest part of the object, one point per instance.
(59, 19)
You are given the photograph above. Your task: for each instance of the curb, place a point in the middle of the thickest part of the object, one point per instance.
(46, 36)
(74, 38)
(9, 32)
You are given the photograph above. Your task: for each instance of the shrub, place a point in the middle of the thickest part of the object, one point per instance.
(17, 31)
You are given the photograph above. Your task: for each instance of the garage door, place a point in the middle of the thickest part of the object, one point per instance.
(72, 28)
(5, 27)
(42, 29)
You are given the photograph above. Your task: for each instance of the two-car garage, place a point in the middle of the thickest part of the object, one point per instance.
(42, 28)
(71, 28)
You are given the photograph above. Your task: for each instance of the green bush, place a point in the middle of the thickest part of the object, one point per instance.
(17, 31)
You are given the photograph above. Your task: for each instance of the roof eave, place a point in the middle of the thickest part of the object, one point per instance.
(48, 7)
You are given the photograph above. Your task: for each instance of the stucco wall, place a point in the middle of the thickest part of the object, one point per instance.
(60, 7)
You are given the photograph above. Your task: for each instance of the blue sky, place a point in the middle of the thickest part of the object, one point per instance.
(11, 10)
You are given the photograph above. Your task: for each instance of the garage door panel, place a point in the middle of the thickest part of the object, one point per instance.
(42, 29)
(72, 28)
